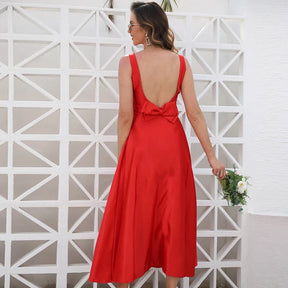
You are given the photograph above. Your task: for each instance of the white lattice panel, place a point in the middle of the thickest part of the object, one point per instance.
(58, 140)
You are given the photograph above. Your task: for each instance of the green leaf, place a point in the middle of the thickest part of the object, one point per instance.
(229, 190)
(166, 5)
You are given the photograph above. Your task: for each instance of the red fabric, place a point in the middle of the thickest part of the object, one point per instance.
(150, 216)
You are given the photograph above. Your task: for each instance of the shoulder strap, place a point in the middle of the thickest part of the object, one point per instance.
(134, 69)
(182, 71)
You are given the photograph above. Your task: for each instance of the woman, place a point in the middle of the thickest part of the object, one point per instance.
(150, 217)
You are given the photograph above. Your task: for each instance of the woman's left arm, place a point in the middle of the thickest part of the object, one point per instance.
(125, 114)
(197, 120)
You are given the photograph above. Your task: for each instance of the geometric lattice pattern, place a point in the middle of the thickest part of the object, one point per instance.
(58, 140)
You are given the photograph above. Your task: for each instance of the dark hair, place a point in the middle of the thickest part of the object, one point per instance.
(152, 18)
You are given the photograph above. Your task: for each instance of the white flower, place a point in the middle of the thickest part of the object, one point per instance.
(241, 187)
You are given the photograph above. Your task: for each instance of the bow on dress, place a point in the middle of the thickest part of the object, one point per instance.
(169, 111)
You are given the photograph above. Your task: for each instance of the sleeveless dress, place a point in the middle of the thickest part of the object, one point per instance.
(150, 216)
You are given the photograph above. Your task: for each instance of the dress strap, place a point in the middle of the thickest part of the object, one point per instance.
(182, 72)
(135, 70)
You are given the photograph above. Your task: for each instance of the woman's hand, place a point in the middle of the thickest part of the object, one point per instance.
(218, 169)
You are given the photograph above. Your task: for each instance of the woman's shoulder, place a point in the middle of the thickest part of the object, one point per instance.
(124, 63)
(125, 58)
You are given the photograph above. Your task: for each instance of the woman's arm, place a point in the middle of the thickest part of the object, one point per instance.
(197, 120)
(125, 114)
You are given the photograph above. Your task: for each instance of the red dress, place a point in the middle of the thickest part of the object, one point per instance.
(150, 216)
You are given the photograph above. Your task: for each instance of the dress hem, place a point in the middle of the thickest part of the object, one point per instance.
(138, 276)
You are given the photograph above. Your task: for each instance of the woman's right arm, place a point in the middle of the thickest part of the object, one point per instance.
(197, 121)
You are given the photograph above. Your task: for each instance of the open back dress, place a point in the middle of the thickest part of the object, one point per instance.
(150, 216)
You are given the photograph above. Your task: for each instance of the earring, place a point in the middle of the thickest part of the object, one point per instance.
(147, 40)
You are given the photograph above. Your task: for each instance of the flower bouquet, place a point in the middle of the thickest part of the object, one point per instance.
(234, 188)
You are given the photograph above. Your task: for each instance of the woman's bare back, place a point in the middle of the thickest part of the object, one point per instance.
(159, 72)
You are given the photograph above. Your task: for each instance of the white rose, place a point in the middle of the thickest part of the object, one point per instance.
(241, 187)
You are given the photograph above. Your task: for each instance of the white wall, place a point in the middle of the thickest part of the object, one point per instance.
(265, 151)
(266, 103)
(265, 262)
